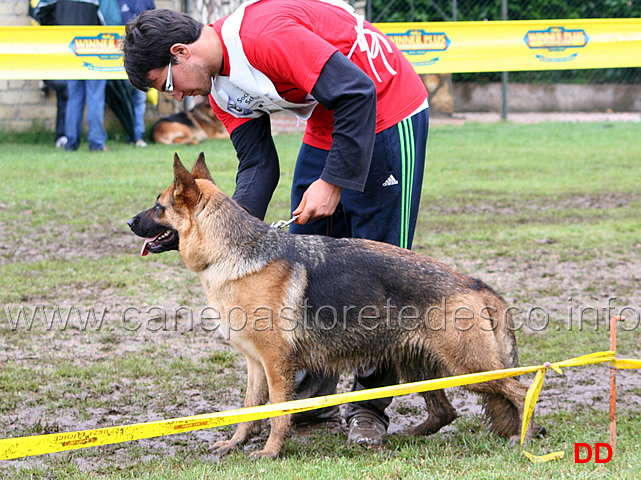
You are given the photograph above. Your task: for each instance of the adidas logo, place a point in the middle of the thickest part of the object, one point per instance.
(390, 181)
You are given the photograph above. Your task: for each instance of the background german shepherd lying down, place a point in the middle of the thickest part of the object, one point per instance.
(297, 301)
(193, 126)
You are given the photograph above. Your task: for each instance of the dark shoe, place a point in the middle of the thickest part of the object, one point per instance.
(103, 149)
(366, 429)
(329, 415)
(333, 426)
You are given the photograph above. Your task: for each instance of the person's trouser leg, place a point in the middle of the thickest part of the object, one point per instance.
(60, 86)
(139, 99)
(386, 211)
(309, 167)
(309, 385)
(74, 113)
(96, 113)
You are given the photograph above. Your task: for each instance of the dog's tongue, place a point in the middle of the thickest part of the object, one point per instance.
(144, 251)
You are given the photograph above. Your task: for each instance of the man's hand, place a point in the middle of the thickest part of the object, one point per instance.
(320, 200)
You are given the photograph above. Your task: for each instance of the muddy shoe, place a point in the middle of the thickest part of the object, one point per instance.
(366, 429)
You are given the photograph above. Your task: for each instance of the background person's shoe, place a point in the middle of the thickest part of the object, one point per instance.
(141, 143)
(61, 142)
(366, 429)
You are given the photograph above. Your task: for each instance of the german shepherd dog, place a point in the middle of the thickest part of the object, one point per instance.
(292, 302)
(193, 126)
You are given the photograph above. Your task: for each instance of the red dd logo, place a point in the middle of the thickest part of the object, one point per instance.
(587, 452)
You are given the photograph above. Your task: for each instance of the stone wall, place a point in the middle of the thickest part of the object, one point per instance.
(14, 13)
(474, 97)
(20, 101)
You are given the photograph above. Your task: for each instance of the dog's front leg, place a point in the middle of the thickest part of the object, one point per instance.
(257, 394)
(281, 384)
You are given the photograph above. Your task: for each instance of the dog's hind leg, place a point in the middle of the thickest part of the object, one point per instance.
(257, 394)
(440, 413)
(504, 404)
(504, 416)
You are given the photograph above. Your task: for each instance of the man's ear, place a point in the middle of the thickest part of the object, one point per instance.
(185, 188)
(200, 170)
(180, 50)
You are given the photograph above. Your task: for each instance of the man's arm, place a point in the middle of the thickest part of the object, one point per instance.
(258, 169)
(351, 94)
(346, 89)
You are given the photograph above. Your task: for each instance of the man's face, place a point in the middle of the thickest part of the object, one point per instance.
(187, 78)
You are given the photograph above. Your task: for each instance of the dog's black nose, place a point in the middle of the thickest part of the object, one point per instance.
(132, 221)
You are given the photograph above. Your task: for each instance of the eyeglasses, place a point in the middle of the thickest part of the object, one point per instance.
(169, 84)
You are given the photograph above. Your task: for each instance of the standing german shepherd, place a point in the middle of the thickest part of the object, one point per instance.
(323, 304)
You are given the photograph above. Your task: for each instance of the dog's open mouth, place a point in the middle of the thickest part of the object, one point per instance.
(167, 240)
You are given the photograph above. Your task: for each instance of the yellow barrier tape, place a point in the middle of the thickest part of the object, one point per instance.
(37, 445)
(627, 363)
(535, 388)
(61, 52)
(530, 401)
(453, 47)
(58, 442)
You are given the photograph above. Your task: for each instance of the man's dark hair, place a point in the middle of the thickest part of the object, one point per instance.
(148, 38)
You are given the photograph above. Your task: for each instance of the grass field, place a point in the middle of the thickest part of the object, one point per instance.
(548, 214)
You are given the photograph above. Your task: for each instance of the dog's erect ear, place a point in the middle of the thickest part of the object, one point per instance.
(200, 169)
(185, 188)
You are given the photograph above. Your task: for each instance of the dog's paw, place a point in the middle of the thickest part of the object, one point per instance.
(421, 430)
(515, 441)
(429, 427)
(534, 431)
(222, 447)
(263, 454)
